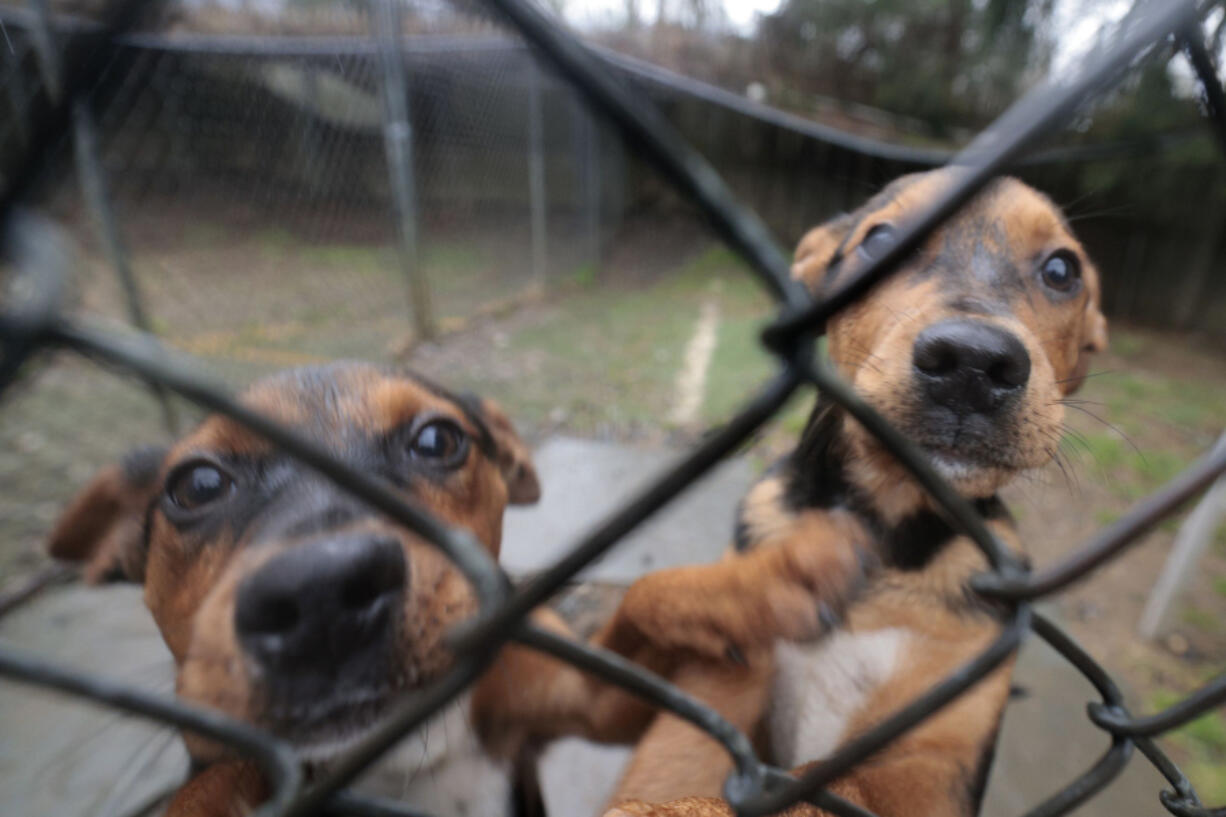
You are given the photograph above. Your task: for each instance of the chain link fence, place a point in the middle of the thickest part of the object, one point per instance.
(97, 83)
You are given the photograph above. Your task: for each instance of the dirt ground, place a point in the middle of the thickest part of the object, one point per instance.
(598, 355)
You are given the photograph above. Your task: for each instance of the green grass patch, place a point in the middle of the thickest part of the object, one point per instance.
(454, 256)
(206, 234)
(1128, 472)
(275, 243)
(613, 355)
(1219, 585)
(1200, 619)
(1148, 396)
(351, 258)
(585, 275)
(739, 367)
(716, 259)
(1106, 516)
(609, 357)
(1201, 746)
(1127, 344)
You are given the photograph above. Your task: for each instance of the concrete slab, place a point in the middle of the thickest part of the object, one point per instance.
(64, 757)
(583, 481)
(1046, 741)
(578, 777)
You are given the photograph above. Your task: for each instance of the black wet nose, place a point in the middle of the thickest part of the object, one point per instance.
(322, 605)
(970, 366)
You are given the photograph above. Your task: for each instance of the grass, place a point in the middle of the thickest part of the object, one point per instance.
(1201, 620)
(361, 259)
(608, 357)
(1105, 516)
(1128, 470)
(1127, 344)
(1219, 585)
(1177, 403)
(1200, 748)
(626, 346)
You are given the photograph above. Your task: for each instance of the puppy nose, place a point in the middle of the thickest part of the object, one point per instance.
(321, 605)
(970, 366)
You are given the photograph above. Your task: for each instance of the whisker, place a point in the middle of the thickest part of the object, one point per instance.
(1105, 211)
(1088, 376)
(1067, 207)
(1114, 428)
(1068, 401)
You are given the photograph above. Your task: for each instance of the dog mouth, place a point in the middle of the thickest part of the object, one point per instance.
(320, 730)
(964, 446)
(959, 464)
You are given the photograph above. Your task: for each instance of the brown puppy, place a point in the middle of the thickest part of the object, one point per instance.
(969, 350)
(289, 605)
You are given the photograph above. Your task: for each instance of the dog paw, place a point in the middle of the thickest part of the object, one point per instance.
(674, 610)
(793, 588)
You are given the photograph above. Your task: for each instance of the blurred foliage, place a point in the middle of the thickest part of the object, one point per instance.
(1171, 172)
(943, 62)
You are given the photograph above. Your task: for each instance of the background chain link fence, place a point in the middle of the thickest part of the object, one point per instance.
(114, 95)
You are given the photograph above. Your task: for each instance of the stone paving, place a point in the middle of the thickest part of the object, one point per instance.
(59, 757)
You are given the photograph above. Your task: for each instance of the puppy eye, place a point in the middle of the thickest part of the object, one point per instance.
(195, 484)
(878, 241)
(1061, 271)
(441, 442)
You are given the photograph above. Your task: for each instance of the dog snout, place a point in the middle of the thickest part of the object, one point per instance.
(970, 366)
(321, 606)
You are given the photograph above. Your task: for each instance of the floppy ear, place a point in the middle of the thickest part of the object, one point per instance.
(1094, 329)
(816, 250)
(514, 458)
(104, 525)
(1093, 339)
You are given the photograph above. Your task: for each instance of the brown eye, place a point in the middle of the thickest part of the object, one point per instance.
(878, 242)
(1061, 271)
(440, 442)
(195, 484)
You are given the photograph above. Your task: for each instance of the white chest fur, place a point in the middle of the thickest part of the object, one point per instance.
(820, 687)
(443, 770)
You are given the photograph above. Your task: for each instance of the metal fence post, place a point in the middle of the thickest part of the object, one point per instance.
(536, 174)
(1194, 536)
(587, 177)
(398, 141)
(93, 187)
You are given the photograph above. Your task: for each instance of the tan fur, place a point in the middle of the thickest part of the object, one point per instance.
(191, 586)
(749, 599)
(701, 610)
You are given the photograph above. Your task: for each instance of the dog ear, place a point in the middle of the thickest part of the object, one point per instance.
(514, 458)
(103, 526)
(1094, 328)
(1093, 339)
(817, 249)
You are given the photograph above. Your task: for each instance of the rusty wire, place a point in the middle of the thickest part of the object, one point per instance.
(31, 319)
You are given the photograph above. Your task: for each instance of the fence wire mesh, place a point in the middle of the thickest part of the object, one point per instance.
(68, 82)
